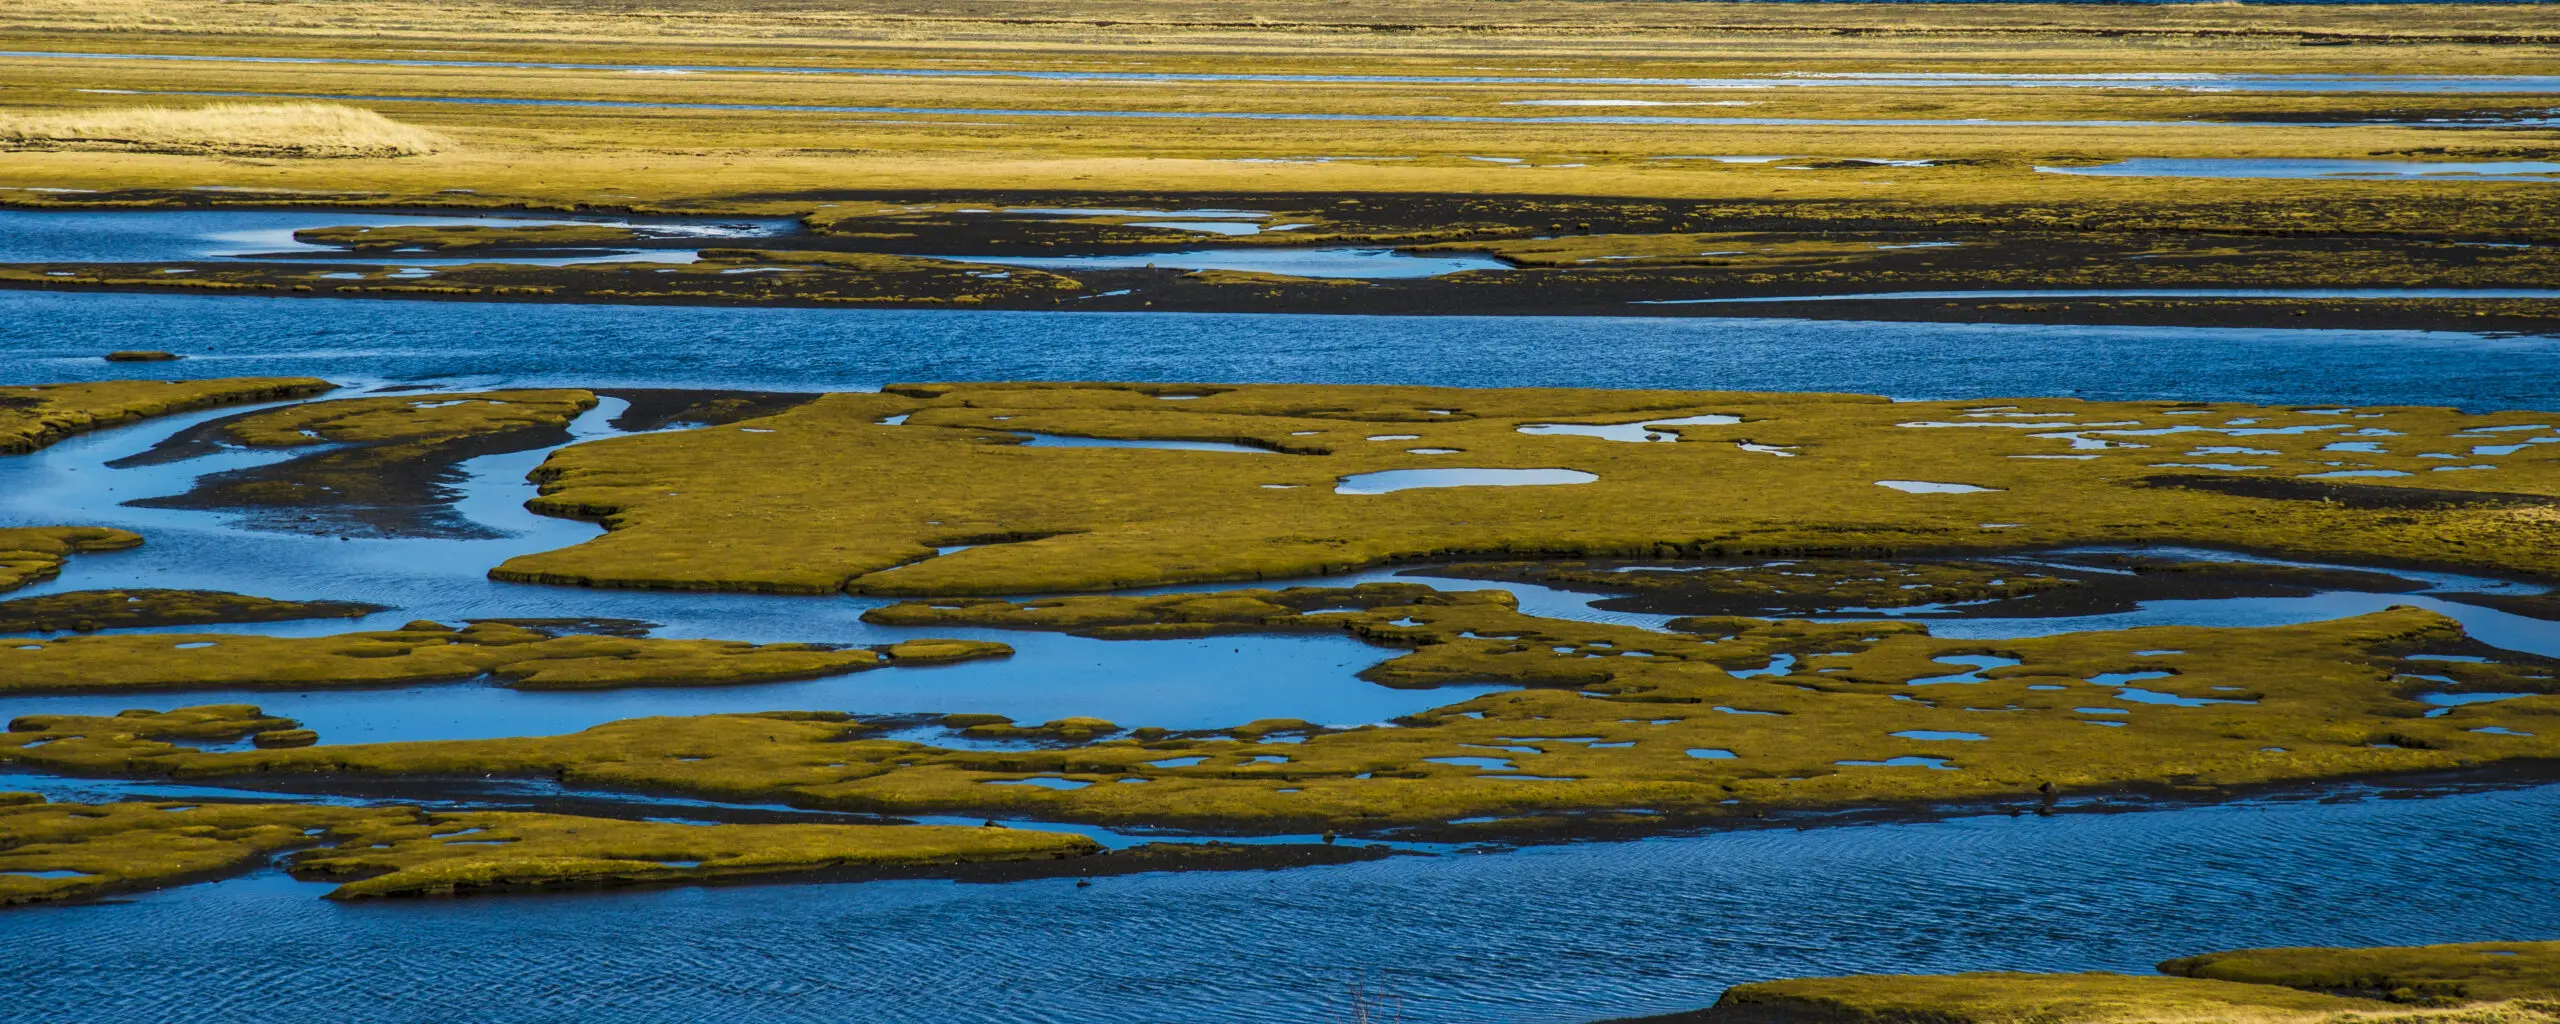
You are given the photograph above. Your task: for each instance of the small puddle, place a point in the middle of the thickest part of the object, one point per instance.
(1710, 754)
(1489, 764)
(1937, 735)
(1981, 663)
(1388, 481)
(1638, 431)
(2455, 700)
(1779, 665)
(1063, 441)
(1932, 763)
(1043, 781)
(1927, 487)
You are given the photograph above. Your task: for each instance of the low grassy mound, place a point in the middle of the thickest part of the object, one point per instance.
(33, 554)
(226, 129)
(33, 416)
(69, 851)
(2468, 983)
(90, 610)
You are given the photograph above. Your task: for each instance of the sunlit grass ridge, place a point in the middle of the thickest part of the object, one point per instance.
(236, 129)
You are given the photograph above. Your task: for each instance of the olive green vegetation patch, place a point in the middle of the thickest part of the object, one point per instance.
(384, 465)
(446, 854)
(56, 851)
(2468, 983)
(52, 851)
(443, 237)
(2005, 998)
(88, 610)
(1733, 717)
(33, 416)
(409, 417)
(420, 652)
(858, 491)
(2424, 975)
(33, 554)
(2055, 584)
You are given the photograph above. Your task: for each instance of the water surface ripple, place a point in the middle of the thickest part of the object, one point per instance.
(1551, 934)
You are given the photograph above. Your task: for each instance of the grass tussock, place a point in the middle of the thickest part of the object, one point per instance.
(228, 129)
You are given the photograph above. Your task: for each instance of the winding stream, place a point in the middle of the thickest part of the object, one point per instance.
(1560, 933)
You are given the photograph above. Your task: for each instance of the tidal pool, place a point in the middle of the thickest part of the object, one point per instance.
(1637, 431)
(1389, 481)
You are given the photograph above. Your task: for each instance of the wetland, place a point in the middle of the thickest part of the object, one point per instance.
(1550, 511)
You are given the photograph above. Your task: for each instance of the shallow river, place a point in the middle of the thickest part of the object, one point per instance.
(1557, 933)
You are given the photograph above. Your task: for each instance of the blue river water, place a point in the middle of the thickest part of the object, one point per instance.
(1560, 933)
(1548, 934)
(53, 337)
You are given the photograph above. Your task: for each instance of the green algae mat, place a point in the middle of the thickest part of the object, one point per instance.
(859, 492)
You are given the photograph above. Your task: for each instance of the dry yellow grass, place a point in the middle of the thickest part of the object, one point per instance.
(227, 129)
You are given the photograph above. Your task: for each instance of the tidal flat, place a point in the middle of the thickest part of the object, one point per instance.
(1558, 510)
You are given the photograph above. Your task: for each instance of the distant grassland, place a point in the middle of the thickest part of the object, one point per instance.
(2059, 38)
(671, 158)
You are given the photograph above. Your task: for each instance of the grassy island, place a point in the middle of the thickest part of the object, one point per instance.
(2466, 983)
(33, 554)
(1722, 719)
(62, 851)
(33, 416)
(859, 492)
(521, 656)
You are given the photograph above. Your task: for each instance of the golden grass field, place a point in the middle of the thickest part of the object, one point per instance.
(739, 160)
